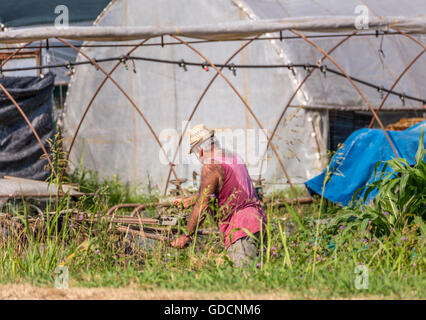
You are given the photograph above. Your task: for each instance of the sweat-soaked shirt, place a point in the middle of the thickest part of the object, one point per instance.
(239, 208)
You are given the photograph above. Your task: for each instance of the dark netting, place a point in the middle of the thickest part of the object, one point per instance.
(20, 153)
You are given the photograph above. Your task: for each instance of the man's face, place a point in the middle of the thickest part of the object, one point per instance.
(199, 153)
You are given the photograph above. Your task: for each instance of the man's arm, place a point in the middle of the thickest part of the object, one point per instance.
(185, 202)
(211, 177)
(211, 181)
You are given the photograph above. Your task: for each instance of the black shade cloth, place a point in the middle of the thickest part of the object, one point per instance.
(19, 150)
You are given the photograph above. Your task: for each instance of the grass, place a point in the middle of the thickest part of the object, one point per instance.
(395, 264)
(309, 255)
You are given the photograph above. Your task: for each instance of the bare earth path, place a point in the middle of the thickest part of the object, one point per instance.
(29, 292)
(25, 291)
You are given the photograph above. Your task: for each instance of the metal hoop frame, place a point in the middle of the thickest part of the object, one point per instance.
(326, 55)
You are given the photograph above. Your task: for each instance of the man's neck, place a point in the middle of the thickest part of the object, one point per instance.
(209, 156)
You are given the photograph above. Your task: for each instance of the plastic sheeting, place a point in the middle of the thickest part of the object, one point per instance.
(115, 140)
(360, 57)
(16, 188)
(353, 165)
(51, 56)
(222, 31)
(19, 150)
(60, 56)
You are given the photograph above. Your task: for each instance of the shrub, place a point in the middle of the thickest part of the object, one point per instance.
(400, 199)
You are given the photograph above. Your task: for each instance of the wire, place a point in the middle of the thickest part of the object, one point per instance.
(232, 67)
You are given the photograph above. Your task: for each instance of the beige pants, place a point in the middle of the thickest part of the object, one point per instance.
(244, 251)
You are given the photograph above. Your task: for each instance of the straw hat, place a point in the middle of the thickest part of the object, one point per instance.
(199, 134)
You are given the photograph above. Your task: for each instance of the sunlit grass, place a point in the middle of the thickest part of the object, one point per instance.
(313, 254)
(97, 259)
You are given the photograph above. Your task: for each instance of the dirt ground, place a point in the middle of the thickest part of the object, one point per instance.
(29, 292)
(25, 291)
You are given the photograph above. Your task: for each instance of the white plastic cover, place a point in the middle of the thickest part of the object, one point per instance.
(115, 140)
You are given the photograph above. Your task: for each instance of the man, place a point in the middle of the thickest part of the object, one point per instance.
(224, 176)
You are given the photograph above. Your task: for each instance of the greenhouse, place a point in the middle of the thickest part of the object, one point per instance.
(276, 83)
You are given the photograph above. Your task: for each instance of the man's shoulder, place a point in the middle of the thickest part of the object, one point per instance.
(213, 162)
(214, 168)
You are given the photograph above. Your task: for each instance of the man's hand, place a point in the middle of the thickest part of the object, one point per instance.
(186, 202)
(180, 242)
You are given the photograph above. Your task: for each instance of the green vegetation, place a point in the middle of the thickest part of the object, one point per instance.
(309, 255)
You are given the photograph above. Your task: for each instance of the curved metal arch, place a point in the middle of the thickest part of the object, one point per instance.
(249, 109)
(199, 101)
(14, 53)
(127, 97)
(409, 36)
(96, 93)
(405, 70)
(398, 50)
(352, 83)
(394, 84)
(295, 93)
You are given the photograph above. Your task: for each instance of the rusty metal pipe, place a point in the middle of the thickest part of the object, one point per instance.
(139, 205)
(295, 93)
(403, 72)
(353, 84)
(142, 234)
(14, 53)
(122, 219)
(409, 36)
(96, 93)
(393, 86)
(136, 210)
(127, 97)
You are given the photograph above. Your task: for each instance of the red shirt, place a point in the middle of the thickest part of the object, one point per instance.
(238, 205)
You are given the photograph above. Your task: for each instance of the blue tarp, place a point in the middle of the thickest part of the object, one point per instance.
(352, 167)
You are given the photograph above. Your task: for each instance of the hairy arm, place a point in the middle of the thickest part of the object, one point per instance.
(211, 182)
(185, 202)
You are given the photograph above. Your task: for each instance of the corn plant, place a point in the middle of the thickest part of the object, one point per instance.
(400, 198)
